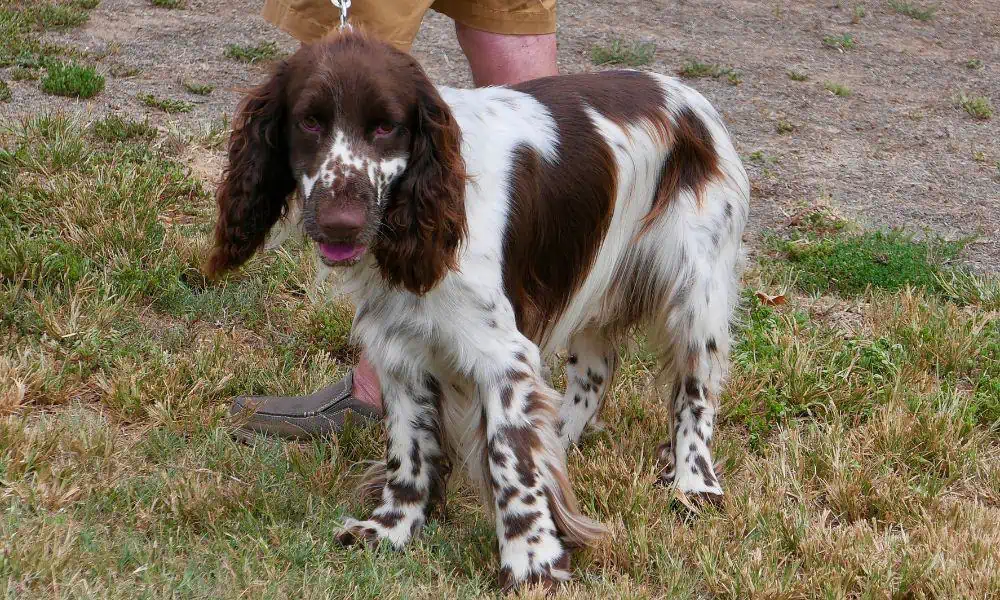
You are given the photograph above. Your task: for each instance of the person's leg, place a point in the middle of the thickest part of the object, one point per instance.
(506, 59)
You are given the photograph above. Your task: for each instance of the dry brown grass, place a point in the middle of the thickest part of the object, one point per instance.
(858, 437)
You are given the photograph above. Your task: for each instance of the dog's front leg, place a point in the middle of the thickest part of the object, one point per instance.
(416, 470)
(536, 511)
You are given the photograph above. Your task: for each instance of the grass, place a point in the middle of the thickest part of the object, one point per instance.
(857, 14)
(167, 105)
(797, 76)
(115, 128)
(825, 258)
(837, 89)
(784, 126)
(620, 52)
(22, 22)
(913, 10)
(5, 94)
(974, 64)
(857, 436)
(841, 42)
(72, 79)
(124, 71)
(169, 3)
(201, 89)
(693, 69)
(252, 54)
(979, 107)
(23, 74)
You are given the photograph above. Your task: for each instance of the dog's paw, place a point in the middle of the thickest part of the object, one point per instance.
(546, 576)
(359, 533)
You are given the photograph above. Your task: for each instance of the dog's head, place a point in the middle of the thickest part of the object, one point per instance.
(357, 127)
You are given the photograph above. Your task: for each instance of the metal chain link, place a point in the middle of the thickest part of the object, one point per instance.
(343, 5)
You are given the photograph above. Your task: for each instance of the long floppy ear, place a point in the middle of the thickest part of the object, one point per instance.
(258, 179)
(425, 223)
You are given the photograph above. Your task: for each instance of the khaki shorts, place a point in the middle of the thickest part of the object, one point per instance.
(397, 21)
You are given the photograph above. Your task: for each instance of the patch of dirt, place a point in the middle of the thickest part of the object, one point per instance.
(898, 152)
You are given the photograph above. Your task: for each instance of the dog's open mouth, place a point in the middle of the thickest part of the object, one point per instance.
(341, 254)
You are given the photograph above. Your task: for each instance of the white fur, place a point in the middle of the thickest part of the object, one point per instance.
(696, 254)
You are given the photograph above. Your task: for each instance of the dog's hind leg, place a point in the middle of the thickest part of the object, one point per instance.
(589, 372)
(697, 344)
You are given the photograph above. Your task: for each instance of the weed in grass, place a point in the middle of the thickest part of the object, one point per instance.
(694, 70)
(912, 10)
(5, 93)
(72, 79)
(979, 107)
(23, 74)
(837, 89)
(252, 54)
(974, 64)
(762, 158)
(797, 76)
(849, 265)
(167, 105)
(123, 71)
(55, 17)
(201, 89)
(840, 42)
(620, 52)
(115, 128)
(169, 3)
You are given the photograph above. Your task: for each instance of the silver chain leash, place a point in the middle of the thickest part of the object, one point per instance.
(343, 5)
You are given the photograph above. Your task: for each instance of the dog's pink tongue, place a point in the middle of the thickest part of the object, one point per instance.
(339, 252)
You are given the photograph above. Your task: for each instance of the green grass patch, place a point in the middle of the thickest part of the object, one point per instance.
(848, 265)
(974, 64)
(72, 79)
(841, 42)
(979, 107)
(252, 54)
(797, 76)
(201, 89)
(695, 70)
(837, 89)
(913, 10)
(167, 105)
(784, 126)
(620, 52)
(115, 128)
(57, 17)
(169, 3)
(5, 92)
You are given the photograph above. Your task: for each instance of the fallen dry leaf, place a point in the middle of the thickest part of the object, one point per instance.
(768, 300)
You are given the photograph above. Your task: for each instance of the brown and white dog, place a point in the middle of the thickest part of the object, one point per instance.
(482, 229)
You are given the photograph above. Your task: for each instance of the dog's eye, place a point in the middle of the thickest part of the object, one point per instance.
(310, 124)
(384, 129)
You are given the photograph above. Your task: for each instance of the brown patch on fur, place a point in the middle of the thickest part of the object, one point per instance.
(389, 519)
(691, 165)
(560, 211)
(519, 524)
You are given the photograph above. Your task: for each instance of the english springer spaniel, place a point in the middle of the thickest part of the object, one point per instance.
(480, 230)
